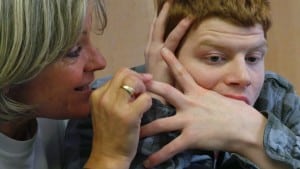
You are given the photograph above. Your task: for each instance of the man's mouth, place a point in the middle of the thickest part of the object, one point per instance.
(241, 98)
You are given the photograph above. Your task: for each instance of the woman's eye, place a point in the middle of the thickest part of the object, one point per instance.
(74, 52)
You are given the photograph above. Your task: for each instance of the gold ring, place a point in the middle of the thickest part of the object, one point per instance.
(128, 89)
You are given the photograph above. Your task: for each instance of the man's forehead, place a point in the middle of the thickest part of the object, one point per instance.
(221, 26)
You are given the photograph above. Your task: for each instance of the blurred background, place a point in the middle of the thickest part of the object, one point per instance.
(124, 40)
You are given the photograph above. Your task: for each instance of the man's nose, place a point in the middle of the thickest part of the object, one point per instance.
(239, 74)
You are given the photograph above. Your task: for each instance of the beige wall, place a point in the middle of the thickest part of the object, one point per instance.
(125, 38)
(284, 40)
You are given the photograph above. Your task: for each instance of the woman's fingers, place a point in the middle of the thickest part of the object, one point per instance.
(183, 78)
(123, 97)
(142, 103)
(166, 124)
(168, 151)
(157, 40)
(159, 24)
(176, 34)
(168, 92)
(153, 60)
(117, 112)
(175, 37)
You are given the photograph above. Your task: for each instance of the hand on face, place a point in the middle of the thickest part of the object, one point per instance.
(116, 115)
(206, 119)
(154, 62)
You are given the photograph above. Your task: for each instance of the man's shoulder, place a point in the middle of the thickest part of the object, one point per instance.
(276, 81)
(277, 94)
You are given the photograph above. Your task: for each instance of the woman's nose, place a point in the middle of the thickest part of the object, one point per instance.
(96, 60)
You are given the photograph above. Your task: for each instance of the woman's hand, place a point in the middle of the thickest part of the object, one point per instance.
(206, 119)
(155, 65)
(116, 117)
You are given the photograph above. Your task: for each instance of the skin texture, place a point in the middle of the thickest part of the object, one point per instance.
(117, 128)
(124, 121)
(233, 89)
(226, 59)
(62, 89)
(196, 106)
(154, 63)
(117, 125)
(219, 64)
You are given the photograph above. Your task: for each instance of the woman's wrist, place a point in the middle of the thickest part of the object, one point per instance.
(250, 143)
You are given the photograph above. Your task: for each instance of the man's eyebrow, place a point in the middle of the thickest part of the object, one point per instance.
(261, 46)
(210, 43)
(207, 42)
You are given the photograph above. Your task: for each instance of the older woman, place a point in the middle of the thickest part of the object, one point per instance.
(46, 66)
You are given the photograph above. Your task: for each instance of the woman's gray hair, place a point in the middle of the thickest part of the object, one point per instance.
(34, 34)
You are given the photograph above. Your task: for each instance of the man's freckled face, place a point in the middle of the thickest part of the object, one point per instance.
(226, 58)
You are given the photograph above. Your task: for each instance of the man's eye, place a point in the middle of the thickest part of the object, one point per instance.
(74, 52)
(215, 59)
(253, 59)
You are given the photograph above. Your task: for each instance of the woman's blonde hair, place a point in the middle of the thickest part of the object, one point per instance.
(34, 34)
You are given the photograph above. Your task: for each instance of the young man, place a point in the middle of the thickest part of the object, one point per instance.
(224, 54)
(212, 123)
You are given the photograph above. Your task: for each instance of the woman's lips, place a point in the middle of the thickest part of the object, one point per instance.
(83, 88)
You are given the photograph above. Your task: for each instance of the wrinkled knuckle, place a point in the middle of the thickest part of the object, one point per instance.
(123, 71)
(167, 88)
(104, 100)
(147, 101)
(172, 149)
(173, 37)
(184, 25)
(134, 82)
(99, 102)
(180, 71)
(158, 125)
(94, 96)
(148, 98)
